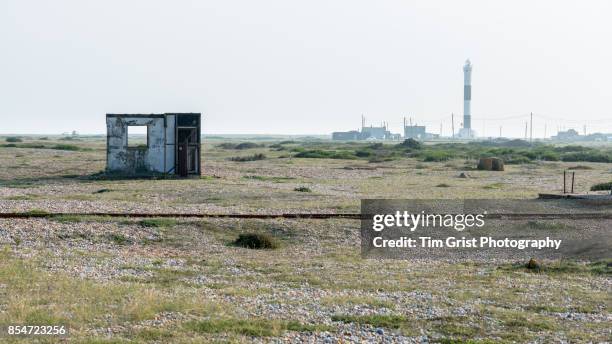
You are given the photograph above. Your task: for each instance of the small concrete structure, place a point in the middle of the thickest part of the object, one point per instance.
(173, 144)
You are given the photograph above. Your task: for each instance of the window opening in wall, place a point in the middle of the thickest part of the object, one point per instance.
(138, 136)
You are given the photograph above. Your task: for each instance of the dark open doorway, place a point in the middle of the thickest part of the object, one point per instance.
(188, 147)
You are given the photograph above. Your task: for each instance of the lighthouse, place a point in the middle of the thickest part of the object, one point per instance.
(466, 131)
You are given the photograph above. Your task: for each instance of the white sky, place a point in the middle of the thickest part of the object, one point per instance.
(305, 67)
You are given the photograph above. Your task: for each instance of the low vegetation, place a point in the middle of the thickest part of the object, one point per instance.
(158, 222)
(242, 145)
(254, 157)
(66, 147)
(256, 241)
(252, 327)
(602, 187)
(14, 139)
(512, 152)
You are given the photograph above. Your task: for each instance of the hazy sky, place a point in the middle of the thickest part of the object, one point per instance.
(305, 67)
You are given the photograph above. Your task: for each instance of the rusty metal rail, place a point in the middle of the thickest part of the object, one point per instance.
(354, 216)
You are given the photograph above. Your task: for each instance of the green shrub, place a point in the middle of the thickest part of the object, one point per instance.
(247, 145)
(550, 156)
(253, 157)
(436, 156)
(517, 160)
(102, 191)
(580, 167)
(302, 189)
(256, 241)
(226, 145)
(363, 153)
(411, 143)
(590, 156)
(602, 187)
(13, 139)
(322, 154)
(66, 147)
(243, 145)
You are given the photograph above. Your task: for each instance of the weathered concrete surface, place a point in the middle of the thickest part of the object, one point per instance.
(132, 160)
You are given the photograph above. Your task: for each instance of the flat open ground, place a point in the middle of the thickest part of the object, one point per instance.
(180, 280)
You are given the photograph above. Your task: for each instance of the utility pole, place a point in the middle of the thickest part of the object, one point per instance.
(531, 128)
(440, 128)
(584, 130)
(544, 130)
(526, 131)
(453, 124)
(500, 131)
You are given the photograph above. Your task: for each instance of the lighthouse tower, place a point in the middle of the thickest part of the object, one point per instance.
(466, 131)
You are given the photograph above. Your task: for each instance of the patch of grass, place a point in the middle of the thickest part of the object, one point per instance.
(36, 212)
(158, 222)
(154, 334)
(376, 320)
(357, 300)
(302, 189)
(602, 267)
(80, 218)
(31, 295)
(21, 198)
(494, 186)
(169, 277)
(443, 185)
(254, 157)
(253, 327)
(256, 241)
(269, 179)
(118, 239)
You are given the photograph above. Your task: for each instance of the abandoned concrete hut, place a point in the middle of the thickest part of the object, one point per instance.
(172, 146)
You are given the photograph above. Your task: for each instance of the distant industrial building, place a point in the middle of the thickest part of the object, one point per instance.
(416, 132)
(568, 135)
(375, 133)
(366, 133)
(352, 135)
(571, 135)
